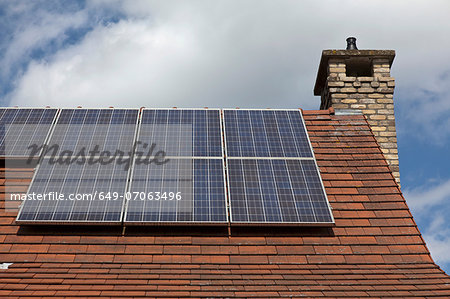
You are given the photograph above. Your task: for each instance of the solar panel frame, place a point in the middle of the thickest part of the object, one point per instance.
(47, 135)
(317, 169)
(175, 223)
(312, 158)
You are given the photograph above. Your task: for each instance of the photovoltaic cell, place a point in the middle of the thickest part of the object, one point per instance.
(265, 133)
(182, 132)
(199, 183)
(276, 191)
(21, 128)
(95, 129)
(88, 180)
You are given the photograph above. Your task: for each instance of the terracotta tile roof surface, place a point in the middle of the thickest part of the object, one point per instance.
(374, 250)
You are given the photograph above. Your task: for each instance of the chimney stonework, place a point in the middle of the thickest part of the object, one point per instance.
(353, 81)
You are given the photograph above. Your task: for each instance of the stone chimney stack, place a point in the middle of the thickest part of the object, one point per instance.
(359, 81)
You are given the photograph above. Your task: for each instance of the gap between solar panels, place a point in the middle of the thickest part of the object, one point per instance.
(244, 167)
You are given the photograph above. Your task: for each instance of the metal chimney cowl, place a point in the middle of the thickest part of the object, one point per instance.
(351, 43)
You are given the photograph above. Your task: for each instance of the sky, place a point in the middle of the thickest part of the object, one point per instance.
(245, 54)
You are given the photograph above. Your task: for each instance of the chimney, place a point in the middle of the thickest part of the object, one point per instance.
(359, 81)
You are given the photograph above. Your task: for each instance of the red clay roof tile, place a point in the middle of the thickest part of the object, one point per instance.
(375, 249)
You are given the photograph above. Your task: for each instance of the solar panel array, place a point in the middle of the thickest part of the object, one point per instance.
(188, 166)
(21, 128)
(272, 175)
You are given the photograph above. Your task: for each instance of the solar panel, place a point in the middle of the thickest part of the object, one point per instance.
(276, 191)
(96, 130)
(190, 187)
(182, 132)
(265, 133)
(179, 191)
(272, 174)
(21, 128)
(85, 193)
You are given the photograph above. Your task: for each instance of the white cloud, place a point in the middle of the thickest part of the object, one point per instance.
(431, 207)
(178, 57)
(37, 29)
(225, 54)
(439, 245)
(425, 197)
(437, 237)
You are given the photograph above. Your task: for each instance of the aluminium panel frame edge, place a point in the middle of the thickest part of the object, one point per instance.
(130, 168)
(224, 165)
(330, 209)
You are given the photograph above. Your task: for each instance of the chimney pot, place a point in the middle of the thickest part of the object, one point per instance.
(351, 43)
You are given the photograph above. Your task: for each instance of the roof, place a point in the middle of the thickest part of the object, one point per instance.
(375, 249)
